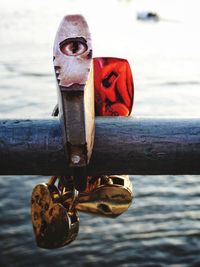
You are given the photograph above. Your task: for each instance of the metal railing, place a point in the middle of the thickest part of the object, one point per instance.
(121, 146)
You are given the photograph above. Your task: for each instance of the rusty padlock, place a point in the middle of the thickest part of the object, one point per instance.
(72, 58)
(55, 225)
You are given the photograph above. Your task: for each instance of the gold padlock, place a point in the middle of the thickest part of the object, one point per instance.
(108, 196)
(55, 225)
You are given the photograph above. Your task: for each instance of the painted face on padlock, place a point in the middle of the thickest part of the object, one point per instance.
(72, 47)
(113, 87)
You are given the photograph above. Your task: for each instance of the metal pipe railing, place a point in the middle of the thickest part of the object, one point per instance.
(122, 146)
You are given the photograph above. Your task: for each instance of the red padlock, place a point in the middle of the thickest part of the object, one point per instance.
(114, 89)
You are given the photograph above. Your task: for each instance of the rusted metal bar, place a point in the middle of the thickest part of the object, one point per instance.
(122, 145)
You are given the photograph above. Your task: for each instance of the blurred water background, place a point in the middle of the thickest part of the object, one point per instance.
(162, 227)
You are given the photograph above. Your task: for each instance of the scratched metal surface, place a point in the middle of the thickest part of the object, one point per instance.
(162, 227)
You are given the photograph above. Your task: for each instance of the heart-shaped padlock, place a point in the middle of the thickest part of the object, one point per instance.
(54, 224)
(108, 196)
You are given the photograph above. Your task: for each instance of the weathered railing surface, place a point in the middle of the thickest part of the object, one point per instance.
(122, 145)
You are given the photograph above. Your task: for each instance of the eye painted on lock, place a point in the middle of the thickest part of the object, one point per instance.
(73, 46)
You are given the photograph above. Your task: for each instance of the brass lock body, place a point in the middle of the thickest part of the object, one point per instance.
(54, 225)
(108, 196)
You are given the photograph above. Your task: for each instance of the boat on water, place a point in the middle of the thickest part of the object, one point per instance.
(148, 16)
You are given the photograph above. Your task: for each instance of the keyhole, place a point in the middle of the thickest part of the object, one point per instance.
(104, 208)
(109, 79)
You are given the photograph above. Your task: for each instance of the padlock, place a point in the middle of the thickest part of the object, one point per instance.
(55, 224)
(108, 196)
(73, 64)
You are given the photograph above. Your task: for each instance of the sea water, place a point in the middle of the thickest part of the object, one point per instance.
(162, 227)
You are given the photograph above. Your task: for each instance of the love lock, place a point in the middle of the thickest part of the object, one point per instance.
(54, 224)
(72, 58)
(108, 196)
